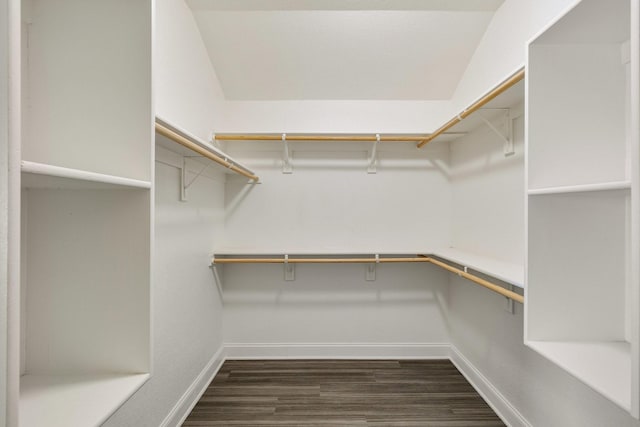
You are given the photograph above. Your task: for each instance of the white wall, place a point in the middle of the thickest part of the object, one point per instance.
(330, 204)
(334, 116)
(187, 91)
(331, 310)
(492, 187)
(488, 193)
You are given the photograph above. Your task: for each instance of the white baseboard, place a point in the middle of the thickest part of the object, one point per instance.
(336, 351)
(507, 412)
(190, 397)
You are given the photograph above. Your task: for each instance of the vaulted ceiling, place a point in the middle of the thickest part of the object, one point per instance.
(341, 49)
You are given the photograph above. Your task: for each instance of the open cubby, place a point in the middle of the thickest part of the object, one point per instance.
(88, 103)
(578, 266)
(85, 295)
(577, 98)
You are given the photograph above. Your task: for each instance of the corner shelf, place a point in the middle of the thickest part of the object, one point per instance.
(74, 400)
(481, 264)
(505, 271)
(179, 141)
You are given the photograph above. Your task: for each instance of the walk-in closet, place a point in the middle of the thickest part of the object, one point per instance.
(312, 212)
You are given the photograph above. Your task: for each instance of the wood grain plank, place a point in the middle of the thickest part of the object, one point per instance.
(341, 393)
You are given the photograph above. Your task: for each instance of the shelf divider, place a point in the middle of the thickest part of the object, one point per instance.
(80, 175)
(582, 188)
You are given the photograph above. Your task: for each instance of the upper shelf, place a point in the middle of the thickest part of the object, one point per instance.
(505, 271)
(500, 97)
(39, 175)
(168, 135)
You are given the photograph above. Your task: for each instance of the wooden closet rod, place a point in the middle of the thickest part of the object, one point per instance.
(162, 130)
(502, 87)
(319, 137)
(475, 279)
(314, 260)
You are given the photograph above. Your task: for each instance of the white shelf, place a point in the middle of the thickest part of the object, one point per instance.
(74, 400)
(603, 366)
(606, 186)
(505, 271)
(170, 145)
(39, 175)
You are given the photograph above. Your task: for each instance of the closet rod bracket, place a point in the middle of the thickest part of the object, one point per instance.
(510, 308)
(370, 270)
(289, 270)
(216, 276)
(286, 156)
(373, 160)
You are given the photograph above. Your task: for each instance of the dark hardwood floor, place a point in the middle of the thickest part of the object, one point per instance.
(341, 392)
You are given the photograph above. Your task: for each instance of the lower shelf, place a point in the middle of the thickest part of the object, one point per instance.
(603, 366)
(74, 400)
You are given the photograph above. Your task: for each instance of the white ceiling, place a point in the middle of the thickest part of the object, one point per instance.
(341, 49)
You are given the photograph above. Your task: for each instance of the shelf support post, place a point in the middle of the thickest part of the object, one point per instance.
(286, 157)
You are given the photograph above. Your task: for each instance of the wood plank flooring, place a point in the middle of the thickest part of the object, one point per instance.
(341, 393)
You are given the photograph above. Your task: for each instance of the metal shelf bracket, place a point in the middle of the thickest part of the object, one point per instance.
(373, 160)
(216, 277)
(505, 135)
(370, 270)
(289, 270)
(510, 308)
(184, 182)
(286, 156)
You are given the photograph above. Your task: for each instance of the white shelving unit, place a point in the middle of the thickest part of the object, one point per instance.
(582, 183)
(86, 213)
